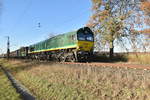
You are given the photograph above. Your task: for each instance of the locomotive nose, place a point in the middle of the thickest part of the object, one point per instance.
(85, 45)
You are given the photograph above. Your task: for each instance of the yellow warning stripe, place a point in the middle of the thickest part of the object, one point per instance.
(45, 50)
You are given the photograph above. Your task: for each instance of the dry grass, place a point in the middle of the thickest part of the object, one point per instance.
(141, 58)
(64, 82)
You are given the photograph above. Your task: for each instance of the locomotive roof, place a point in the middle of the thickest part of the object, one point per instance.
(67, 33)
(57, 36)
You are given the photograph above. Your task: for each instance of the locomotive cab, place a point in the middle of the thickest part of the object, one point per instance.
(85, 38)
(85, 43)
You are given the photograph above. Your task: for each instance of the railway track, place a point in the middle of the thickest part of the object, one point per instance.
(100, 64)
(117, 65)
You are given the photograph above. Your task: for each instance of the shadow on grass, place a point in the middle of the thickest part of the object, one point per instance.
(105, 58)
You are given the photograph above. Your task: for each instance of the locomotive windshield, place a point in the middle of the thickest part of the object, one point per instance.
(85, 35)
(81, 37)
(89, 37)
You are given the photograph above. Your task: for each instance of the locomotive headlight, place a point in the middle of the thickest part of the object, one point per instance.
(79, 47)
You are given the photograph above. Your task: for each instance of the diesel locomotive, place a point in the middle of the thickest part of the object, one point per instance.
(72, 46)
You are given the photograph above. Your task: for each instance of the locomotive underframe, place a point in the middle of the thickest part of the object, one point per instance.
(63, 55)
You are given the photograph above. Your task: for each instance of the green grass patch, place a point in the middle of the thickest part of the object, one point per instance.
(7, 92)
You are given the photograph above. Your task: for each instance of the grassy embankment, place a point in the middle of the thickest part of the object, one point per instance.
(48, 81)
(7, 92)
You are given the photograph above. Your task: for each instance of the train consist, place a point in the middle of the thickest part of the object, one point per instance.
(72, 46)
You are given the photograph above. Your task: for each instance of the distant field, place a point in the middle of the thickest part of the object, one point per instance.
(7, 92)
(50, 81)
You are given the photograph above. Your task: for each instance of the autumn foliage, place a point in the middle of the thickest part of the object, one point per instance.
(145, 7)
(121, 21)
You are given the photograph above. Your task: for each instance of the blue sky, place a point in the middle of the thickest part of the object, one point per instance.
(20, 18)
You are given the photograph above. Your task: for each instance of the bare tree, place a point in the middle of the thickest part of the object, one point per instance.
(111, 19)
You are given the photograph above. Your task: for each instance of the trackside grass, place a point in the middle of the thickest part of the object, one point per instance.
(142, 58)
(49, 81)
(7, 92)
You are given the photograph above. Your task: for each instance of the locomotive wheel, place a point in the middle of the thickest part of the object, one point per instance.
(70, 58)
(62, 59)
